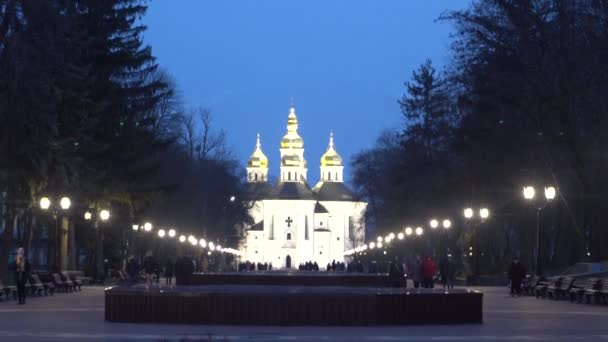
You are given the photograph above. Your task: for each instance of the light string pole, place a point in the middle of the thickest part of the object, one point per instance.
(530, 194)
(469, 215)
(47, 206)
(102, 216)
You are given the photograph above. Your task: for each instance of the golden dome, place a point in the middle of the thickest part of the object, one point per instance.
(258, 158)
(292, 139)
(290, 160)
(331, 156)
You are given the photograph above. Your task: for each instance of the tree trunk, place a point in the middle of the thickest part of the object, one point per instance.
(6, 245)
(72, 249)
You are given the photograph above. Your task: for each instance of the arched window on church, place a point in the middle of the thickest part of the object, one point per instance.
(262, 178)
(289, 175)
(256, 176)
(295, 177)
(329, 176)
(288, 236)
(337, 176)
(250, 177)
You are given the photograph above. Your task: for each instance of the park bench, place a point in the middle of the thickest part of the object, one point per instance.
(69, 283)
(34, 287)
(540, 290)
(59, 283)
(76, 283)
(528, 285)
(47, 280)
(8, 290)
(49, 287)
(577, 291)
(596, 291)
(79, 277)
(559, 290)
(604, 291)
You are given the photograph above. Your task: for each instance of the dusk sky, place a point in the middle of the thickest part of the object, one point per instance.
(343, 62)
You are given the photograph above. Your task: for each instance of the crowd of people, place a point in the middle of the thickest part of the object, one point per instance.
(151, 270)
(249, 266)
(335, 266)
(309, 266)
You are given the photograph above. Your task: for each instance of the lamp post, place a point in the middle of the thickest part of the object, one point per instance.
(103, 215)
(46, 205)
(529, 194)
(469, 215)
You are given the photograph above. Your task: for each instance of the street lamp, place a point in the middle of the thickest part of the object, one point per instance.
(182, 238)
(469, 215)
(103, 215)
(147, 226)
(203, 243)
(64, 204)
(171, 233)
(400, 236)
(161, 233)
(434, 223)
(135, 227)
(408, 231)
(529, 194)
(419, 231)
(447, 224)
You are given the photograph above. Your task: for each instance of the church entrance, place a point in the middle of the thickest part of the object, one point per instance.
(288, 262)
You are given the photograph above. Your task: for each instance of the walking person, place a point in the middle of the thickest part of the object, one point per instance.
(417, 272)
(150, 267)
(133, 270)
(443, 271)
(517, 273)
(22, 270)
(168, 271)
(428, 272)
(450, 271)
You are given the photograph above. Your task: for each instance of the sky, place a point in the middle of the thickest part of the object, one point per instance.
(344, 63)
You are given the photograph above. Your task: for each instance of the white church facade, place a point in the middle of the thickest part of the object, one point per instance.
(294, 223)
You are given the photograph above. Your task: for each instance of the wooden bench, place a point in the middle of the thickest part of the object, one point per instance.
(70, 277)
(540, 290)
(47, 280)
(59, 283)
(8, 290)
(34, 287)
(559, 290)
(596, 291)
(604, 291)
(528, 285)
(49, 287)
(79, 277)
(577, 291)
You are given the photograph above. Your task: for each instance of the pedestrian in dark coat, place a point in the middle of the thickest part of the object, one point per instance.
(133, 270)
(168, 271)
(517, 273)
(22, 271)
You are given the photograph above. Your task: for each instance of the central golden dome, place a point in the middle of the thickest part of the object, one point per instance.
(292, 139)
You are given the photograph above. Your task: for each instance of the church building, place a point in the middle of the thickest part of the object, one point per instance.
(294, 223)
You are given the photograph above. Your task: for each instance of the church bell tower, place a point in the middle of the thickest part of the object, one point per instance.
(293, 164)
(257, 165)
(331, 163)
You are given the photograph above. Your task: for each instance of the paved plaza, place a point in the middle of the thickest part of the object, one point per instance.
(80, 317)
